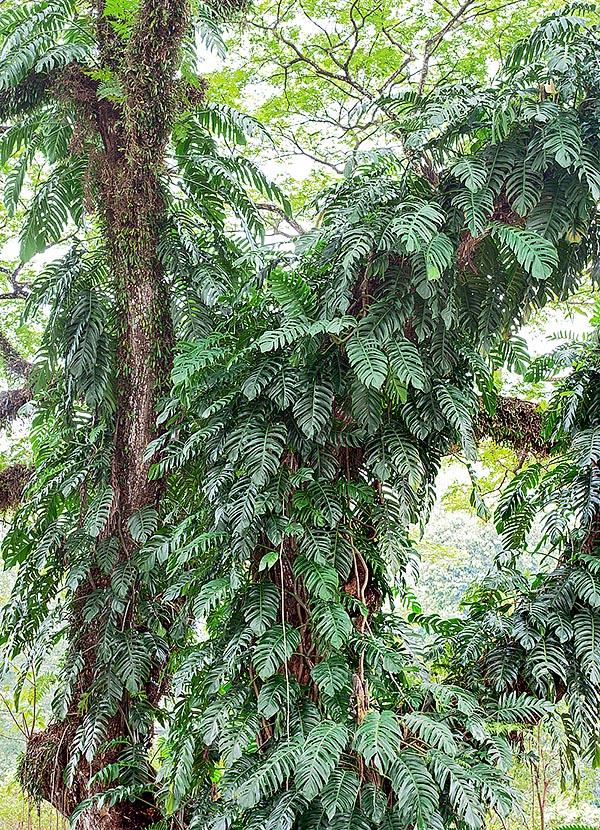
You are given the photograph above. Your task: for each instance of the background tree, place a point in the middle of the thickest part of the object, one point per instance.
(327, 78)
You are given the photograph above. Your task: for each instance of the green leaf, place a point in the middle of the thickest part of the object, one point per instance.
(459, 411)
(292, 293)
(320, 579)
(534, 253)
(514, 708)
(459, 785)
(439, 255)
(406, 362)
(417, 224)
(142, 524)
(238, 735)
(132, 659)
(211, 594)
(373, 802)
(313, 409)
(331, 675)
(56, 200)
(367, 406)
(320, 755)
(274, 694)
(586, 587)
(523, 187)
(586, 625)
(400, 451)
(274, 648)
(368, 360)
(471, 171)
(268, 560)
(562, 138)
(99, 511)
(261, 606)
(356, 244)
(433, 732)
(332, 623)
(340, 793)
(266, 778)
(416, 791)
(228, 123)
(258, 447)
(477, 209)
(586, 446)
(378, 738)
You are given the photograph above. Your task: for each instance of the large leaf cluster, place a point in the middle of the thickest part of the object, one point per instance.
(314, 424)
(314, 396)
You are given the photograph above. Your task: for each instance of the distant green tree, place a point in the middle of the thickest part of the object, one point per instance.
(327, 77)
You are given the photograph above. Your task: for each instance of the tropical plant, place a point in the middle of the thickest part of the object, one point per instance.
(309, 427)
(543, 634)
(114, 150)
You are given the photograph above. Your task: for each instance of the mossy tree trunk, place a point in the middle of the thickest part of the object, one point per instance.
(126, 182)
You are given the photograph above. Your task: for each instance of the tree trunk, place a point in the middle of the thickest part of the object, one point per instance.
(131, 208)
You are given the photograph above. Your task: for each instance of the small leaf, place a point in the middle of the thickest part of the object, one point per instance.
(142, 524)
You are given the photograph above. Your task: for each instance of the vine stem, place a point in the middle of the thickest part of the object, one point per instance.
(285, 663)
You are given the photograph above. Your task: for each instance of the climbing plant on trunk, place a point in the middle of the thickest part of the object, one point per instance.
(314, 398)
(312, 426)
(105, 97)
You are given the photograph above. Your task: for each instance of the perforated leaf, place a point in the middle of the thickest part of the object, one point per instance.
(378, 738)
(322, 750)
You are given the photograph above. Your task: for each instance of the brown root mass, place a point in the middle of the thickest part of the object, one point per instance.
(517, 424)
(13, 481)
(40, 774)
(12, 359)
(11, 402)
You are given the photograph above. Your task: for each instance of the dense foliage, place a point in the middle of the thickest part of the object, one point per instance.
(322, 409)
(107, 101)
(238, 572)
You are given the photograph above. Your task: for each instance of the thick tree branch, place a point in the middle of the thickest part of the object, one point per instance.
(11, 402)
(283, 217)
(19, 291)
(13, 481)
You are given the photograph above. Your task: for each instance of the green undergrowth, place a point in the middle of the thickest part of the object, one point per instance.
(17, 813)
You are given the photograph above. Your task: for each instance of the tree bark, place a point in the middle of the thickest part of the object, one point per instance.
(131, 208)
